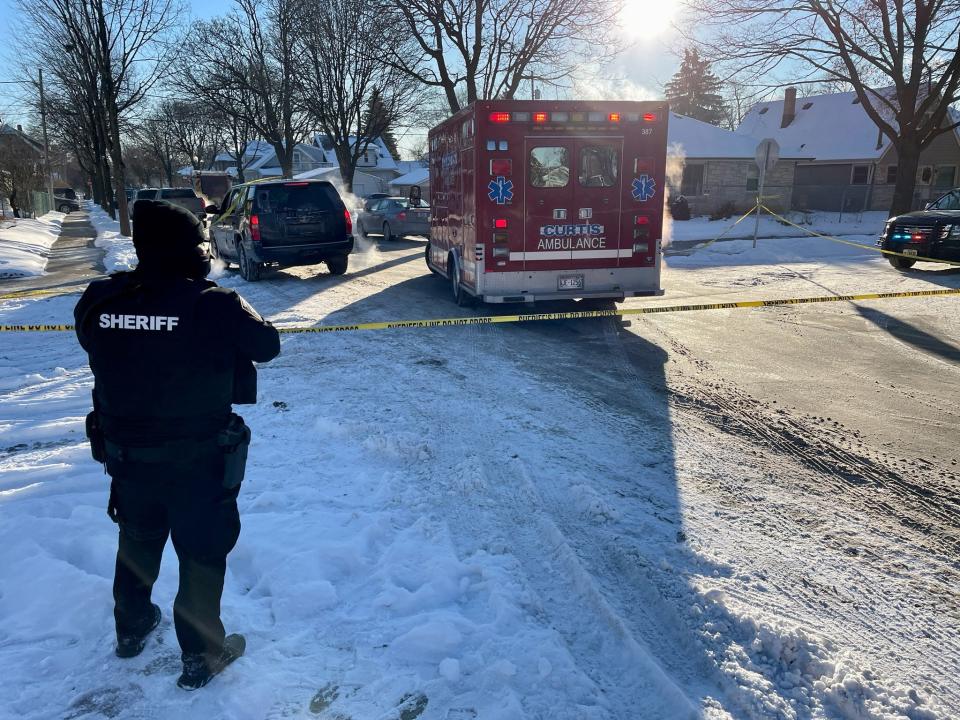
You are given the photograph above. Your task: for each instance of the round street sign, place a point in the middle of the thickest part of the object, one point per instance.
(768, 152)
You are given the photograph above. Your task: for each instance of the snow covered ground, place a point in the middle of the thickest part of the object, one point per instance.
(486, 522)
(119, 249)
(25, 244)
(702, 228)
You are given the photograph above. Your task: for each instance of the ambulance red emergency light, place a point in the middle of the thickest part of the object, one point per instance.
(539, 200)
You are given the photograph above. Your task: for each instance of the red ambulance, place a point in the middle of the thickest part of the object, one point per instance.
(539, 200)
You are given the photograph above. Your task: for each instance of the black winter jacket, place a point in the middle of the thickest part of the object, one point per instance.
(166, 353)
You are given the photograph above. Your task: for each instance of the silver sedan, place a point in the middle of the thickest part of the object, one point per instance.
(394, 218)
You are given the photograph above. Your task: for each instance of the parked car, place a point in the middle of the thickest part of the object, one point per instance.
(372, 198)
(185, 198)
(281, 223)
(933, 232)
(394, 218)
(144, 194)
(65, 199)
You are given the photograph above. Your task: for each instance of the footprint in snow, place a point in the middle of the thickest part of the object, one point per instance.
(109, 701)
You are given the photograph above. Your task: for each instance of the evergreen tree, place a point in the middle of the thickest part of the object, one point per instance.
(694, 91)
(375, 108)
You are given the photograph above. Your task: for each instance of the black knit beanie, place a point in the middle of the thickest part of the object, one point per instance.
(168, 240)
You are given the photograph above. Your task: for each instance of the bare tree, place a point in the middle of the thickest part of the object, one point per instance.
(350, 92)
(491, 46)
(119, 49)
(900, 57)
(157, 136)
(235, 133)
(193, 130)
(250, 69)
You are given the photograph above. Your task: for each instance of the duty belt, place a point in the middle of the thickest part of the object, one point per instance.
(186, 450)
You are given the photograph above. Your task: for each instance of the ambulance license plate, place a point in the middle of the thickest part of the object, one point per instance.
(570, 282)
(909, 251)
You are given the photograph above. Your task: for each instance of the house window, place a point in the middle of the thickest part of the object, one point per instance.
(860, 174)
(753, 184)
(891, 174)
(692, 182)
(925, 175)
(944, 177)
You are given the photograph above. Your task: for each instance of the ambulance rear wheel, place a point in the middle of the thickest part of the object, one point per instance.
(426, 257)
(460, 296)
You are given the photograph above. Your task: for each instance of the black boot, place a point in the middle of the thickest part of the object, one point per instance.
(199, 669)
(131, 644)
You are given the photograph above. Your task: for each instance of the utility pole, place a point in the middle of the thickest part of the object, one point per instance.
(46, 144)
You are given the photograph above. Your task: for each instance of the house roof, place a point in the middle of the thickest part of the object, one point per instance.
(406, 166)
(828, 127)
(697, 139)
(10, 130)
(385, 160)
(415, 177)
(328, 173)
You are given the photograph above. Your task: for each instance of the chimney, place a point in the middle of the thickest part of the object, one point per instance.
(789, 106)
(20, 129)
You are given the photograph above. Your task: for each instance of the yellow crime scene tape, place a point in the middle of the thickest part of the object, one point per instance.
(573, 315)
(814, 233)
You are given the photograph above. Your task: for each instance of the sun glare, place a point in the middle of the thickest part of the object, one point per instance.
(646, 18)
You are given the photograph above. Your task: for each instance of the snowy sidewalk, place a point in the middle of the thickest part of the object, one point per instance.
(70, 261)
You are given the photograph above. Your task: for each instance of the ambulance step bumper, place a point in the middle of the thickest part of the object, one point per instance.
(598, 283)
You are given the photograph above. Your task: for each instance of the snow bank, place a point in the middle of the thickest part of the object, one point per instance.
(25, 244)
(120, 254)
(702, 228)
(782, 671)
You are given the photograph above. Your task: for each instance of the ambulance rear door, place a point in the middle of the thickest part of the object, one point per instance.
(548, 201)
(598, 198)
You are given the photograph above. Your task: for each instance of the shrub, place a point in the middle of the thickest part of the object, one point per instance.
(725, 211)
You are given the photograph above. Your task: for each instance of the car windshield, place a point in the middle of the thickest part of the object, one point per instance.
(295, 196)
(948, 202)
(66, 192)
(176, 193)
(144, 194)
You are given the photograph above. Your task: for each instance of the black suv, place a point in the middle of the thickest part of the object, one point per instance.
(281, 223)
(933, 232)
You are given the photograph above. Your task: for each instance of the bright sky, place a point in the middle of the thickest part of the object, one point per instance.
(650, 57)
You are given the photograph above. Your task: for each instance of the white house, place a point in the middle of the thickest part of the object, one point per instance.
(363, 183)
(419, 176)
(375, 169)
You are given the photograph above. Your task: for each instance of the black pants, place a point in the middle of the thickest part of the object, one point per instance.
(187, 502)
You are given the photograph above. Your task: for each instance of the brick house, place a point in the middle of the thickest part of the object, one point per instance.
(712, 168)
(853, 166)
